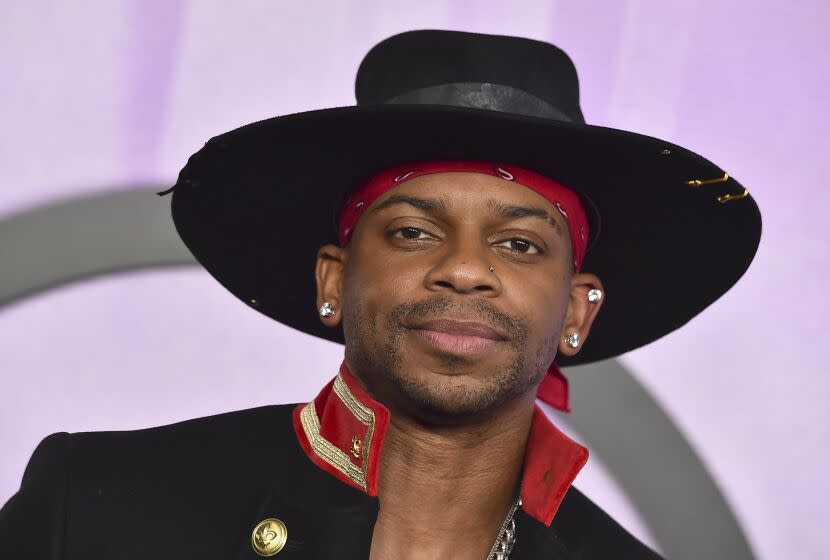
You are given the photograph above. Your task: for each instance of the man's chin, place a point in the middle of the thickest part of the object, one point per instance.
(448, 396)
(466, 368)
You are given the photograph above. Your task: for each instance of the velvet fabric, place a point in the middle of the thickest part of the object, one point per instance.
(198, 488)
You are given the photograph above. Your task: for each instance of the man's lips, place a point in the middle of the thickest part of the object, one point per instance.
(461, 328)
(459, 337)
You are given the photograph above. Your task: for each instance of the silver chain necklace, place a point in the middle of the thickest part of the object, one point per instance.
(507, 534)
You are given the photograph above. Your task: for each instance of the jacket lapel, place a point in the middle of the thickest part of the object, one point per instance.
(534, 541)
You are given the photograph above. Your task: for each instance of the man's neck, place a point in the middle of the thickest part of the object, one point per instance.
(445, 491)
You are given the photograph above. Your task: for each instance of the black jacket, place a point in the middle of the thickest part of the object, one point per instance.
(196, 489)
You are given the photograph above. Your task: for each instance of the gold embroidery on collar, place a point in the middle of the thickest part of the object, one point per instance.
(329, 452)
(324, 449)
(361, 412)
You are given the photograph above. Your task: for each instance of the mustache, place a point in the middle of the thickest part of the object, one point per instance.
(445, 306)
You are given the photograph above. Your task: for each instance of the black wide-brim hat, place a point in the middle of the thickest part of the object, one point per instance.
(670, 231)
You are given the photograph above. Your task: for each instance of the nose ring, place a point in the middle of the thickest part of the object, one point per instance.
(491, 269)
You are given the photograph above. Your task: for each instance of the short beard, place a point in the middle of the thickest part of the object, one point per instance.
(379, 362)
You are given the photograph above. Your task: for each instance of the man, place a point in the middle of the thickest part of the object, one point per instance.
(452, 220)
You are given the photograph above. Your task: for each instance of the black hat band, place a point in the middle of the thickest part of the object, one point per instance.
(481, 95)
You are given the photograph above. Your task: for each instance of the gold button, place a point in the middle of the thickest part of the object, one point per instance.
(269, 537)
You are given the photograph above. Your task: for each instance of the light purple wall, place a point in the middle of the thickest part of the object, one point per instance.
(116, 93)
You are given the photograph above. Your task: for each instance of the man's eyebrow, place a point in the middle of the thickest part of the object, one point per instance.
(510, 212)
(425, 204)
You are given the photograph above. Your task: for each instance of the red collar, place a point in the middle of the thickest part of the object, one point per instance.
(343, 429)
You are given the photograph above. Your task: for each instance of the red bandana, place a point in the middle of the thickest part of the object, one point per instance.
(554, 387)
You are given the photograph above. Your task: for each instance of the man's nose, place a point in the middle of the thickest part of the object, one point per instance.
(463, 265)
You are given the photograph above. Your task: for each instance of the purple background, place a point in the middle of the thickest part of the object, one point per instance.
(109, 94)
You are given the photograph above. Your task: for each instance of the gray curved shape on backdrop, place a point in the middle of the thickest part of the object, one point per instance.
(655, 465)
(658, 470)
(87, 236)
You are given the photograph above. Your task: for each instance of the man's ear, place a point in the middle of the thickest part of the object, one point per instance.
(581, 311)
(331, 261)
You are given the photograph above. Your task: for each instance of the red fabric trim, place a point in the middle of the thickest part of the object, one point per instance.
(338, 425)
(554, 389)
(552, 461)
(381, 425)
(306, 445)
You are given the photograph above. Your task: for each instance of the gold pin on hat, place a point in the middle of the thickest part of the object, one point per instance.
(269, 537)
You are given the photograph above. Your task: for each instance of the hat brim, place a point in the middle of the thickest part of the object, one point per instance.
(255, 204)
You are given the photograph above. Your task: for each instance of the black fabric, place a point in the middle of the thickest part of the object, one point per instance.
(198, 488)
(417, 59)
(255, 204)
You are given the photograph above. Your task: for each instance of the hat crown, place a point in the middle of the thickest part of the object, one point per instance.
(455, 68)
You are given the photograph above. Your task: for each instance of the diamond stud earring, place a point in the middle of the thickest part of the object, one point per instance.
(572, 339)
(594, 295)
(326, 310)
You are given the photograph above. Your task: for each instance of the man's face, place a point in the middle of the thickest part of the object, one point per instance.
(428, 326)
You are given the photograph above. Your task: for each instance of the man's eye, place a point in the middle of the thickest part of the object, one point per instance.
(411, 233)
(520, 246)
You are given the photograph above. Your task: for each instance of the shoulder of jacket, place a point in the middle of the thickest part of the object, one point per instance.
(252, 420)
(49, 455)
(192, 450)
